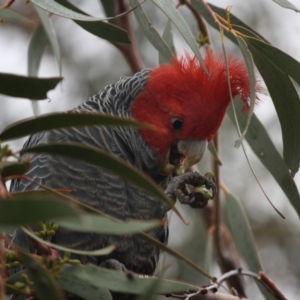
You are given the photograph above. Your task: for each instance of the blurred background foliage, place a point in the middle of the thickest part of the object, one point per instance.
(90, 63)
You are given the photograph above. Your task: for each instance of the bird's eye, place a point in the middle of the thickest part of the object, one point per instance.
(177, 123)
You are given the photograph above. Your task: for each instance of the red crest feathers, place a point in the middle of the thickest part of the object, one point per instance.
(183, 90)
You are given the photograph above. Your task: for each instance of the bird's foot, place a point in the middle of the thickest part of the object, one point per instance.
(113, 264)
(192, 189)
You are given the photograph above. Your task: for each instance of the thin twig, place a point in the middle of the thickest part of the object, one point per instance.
(214, 15)
(200, 21)
(209, 291)
(129, 51)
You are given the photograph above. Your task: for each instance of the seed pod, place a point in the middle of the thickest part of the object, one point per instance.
(19, 285)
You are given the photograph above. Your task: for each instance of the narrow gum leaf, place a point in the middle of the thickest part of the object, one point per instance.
(109, 8)
(250, 67)
(51, 34)
(101, 29)
(172, 13)
(98, 252)
(150, 32)
(243, 237)
(107, 161)
(168, 38)
(118, 281)
(36, 49)
(287, 4)
(39, 205)
(287, 104)
(10, 168)
(99, 224)
(58, 120)
(28, 87)
(60, 10)
(260, 142)
(10, 15)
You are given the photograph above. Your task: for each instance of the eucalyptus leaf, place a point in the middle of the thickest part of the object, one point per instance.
(33, 206)
(51, 35)
(150, 32)
(101, 29)
(243, 237)
(287, 104)
(168, 38)
(275, 56)
(287, 4)
(27, 87)
(172, 13)
(260, 142)
(116, 281)
(250, 67)
(12, 168)
(10, 15)
(99, 224)
(58, 120)
(54, 7)
(98, 252)
(36, 49)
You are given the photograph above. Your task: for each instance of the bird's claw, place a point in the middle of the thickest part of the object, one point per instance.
(192, 189)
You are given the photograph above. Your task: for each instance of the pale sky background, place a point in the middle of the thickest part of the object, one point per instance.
(89, 57)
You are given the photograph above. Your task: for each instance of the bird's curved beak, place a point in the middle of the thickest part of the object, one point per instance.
(183, 155)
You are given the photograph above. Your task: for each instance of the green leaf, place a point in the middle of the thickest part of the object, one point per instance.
(58, 120)
(213, 151)
(101, 29)
(116, 281)
(278, 58)
(168, 38)
(243, 237)
(8, 14)
(287, 105)
(208, 255)
(109, 7)
(33, 206)
(261, 144)
(36, 49)
(287, 4)
(99, 252)
(104, 160)
(172, 13)
(150, 32)
(250, 67)
(35, 52)
(99, 224)
(51, 35)
(242, 233)
(10, 168)
(83, 288)
(150, 291)
(27, 87)
(55, 8)
(44, 285)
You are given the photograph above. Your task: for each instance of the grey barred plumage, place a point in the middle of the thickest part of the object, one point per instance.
(98, 188)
